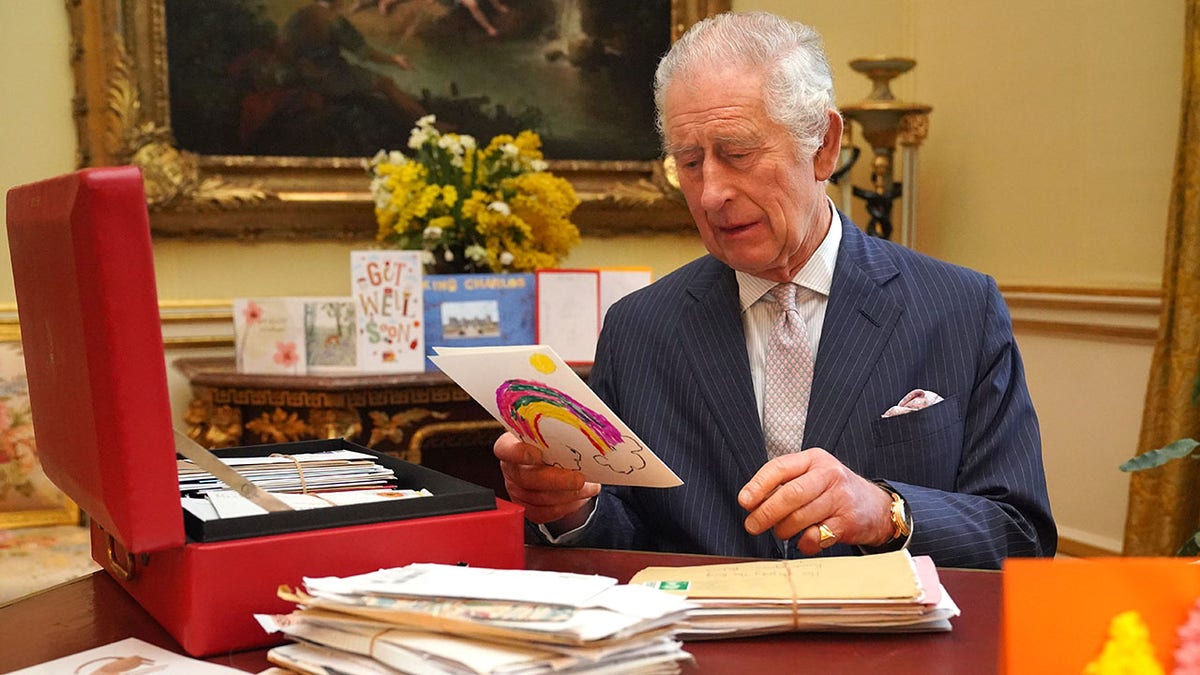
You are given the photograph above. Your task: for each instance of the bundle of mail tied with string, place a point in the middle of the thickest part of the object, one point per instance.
(431, 618)
(887, 593)
(300, 481)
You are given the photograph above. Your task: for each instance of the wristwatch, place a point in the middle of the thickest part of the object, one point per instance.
(898, 512)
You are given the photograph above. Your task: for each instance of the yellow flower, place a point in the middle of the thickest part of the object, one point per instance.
(474, 209)
(1128, 650)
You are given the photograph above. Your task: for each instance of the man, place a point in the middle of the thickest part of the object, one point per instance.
(918, 430)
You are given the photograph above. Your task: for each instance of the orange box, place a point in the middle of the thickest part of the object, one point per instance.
(1057, 612)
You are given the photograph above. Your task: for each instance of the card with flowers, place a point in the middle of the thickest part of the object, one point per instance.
(269, 335)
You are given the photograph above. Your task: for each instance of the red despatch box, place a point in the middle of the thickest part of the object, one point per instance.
(83, 269)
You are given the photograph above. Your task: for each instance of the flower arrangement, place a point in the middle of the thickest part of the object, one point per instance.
(471, 209)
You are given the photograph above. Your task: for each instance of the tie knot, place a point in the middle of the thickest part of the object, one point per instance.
(785, 295)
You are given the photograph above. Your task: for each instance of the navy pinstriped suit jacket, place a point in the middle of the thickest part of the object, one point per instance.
(672, 363)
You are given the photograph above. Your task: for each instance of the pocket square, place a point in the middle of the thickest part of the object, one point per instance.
(913, 401)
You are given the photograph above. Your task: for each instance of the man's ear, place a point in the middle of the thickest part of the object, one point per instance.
(825, 161)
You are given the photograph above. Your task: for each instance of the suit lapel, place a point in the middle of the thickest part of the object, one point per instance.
(859, 320)
(715, 344)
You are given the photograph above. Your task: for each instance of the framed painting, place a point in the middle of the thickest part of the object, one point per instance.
(254, 119)
(27, 497)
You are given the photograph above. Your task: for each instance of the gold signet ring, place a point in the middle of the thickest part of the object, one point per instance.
(828, 538)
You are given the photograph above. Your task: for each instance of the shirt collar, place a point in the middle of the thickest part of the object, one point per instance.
(815, 275)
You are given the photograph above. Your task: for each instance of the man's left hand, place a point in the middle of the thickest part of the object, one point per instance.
(801, 491)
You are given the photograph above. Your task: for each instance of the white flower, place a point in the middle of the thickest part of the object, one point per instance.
(427, 257)
(500, 207)
(509, 150)
(379, 158)
(506, 258)
(432, 232)
(468, 142)
(475, 252)
(539, 165)
(396, 157)
(448, 255)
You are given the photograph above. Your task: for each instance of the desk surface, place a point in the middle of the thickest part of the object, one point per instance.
(95, 611)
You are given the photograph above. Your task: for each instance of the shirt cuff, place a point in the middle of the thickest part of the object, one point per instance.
(570, 536)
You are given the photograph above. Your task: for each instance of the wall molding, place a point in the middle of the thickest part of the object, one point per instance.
(1079, 549)
(1122, 314)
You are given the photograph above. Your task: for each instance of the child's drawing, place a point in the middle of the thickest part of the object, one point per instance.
(540, 399)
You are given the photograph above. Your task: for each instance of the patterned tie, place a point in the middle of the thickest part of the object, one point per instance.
(788, 377)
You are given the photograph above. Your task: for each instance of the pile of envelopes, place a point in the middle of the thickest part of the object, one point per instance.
(429, 618)
(887, 592)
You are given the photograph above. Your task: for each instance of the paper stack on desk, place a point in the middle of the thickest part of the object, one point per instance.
(428, 618)
(887, 592)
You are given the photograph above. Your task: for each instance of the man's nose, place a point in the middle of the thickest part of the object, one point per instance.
(717, 188)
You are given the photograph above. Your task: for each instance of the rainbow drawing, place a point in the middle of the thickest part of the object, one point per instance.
(526, 403)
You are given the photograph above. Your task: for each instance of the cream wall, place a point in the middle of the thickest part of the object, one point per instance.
(37, 136)
(1047, 165)
(1053, 128)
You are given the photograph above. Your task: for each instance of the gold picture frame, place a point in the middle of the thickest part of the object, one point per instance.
(27, 497)
(122, 115)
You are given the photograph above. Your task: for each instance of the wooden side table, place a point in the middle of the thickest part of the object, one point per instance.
(424, 418)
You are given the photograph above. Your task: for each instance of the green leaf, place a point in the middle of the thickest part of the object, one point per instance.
(1191, 547)
(1159, 456)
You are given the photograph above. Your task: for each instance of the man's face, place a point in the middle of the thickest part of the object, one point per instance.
(759, 206)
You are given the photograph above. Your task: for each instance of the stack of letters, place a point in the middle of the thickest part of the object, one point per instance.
(317, 479)
(429, 618)
(888, 592)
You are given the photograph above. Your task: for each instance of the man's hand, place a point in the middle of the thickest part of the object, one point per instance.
(548, 493)
(799, 492)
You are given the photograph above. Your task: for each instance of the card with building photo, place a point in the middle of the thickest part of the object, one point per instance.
(478, 310)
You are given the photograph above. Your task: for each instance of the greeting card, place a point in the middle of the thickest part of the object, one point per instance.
(386, 287)
(269, 335)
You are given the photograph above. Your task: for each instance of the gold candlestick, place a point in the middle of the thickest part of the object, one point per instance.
(884, 122)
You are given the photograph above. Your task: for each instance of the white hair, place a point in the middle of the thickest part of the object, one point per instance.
(798, 85)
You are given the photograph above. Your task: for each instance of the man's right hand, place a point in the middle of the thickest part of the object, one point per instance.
(548, 493)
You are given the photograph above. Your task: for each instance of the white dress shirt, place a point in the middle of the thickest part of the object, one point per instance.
(759, 315)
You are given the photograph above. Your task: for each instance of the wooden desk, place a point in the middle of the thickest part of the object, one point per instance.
(424, 418)
(94, 611)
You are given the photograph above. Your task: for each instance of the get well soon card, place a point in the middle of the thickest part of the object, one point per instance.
(537, 396)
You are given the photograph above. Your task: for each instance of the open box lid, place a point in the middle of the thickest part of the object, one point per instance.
(83, 271)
